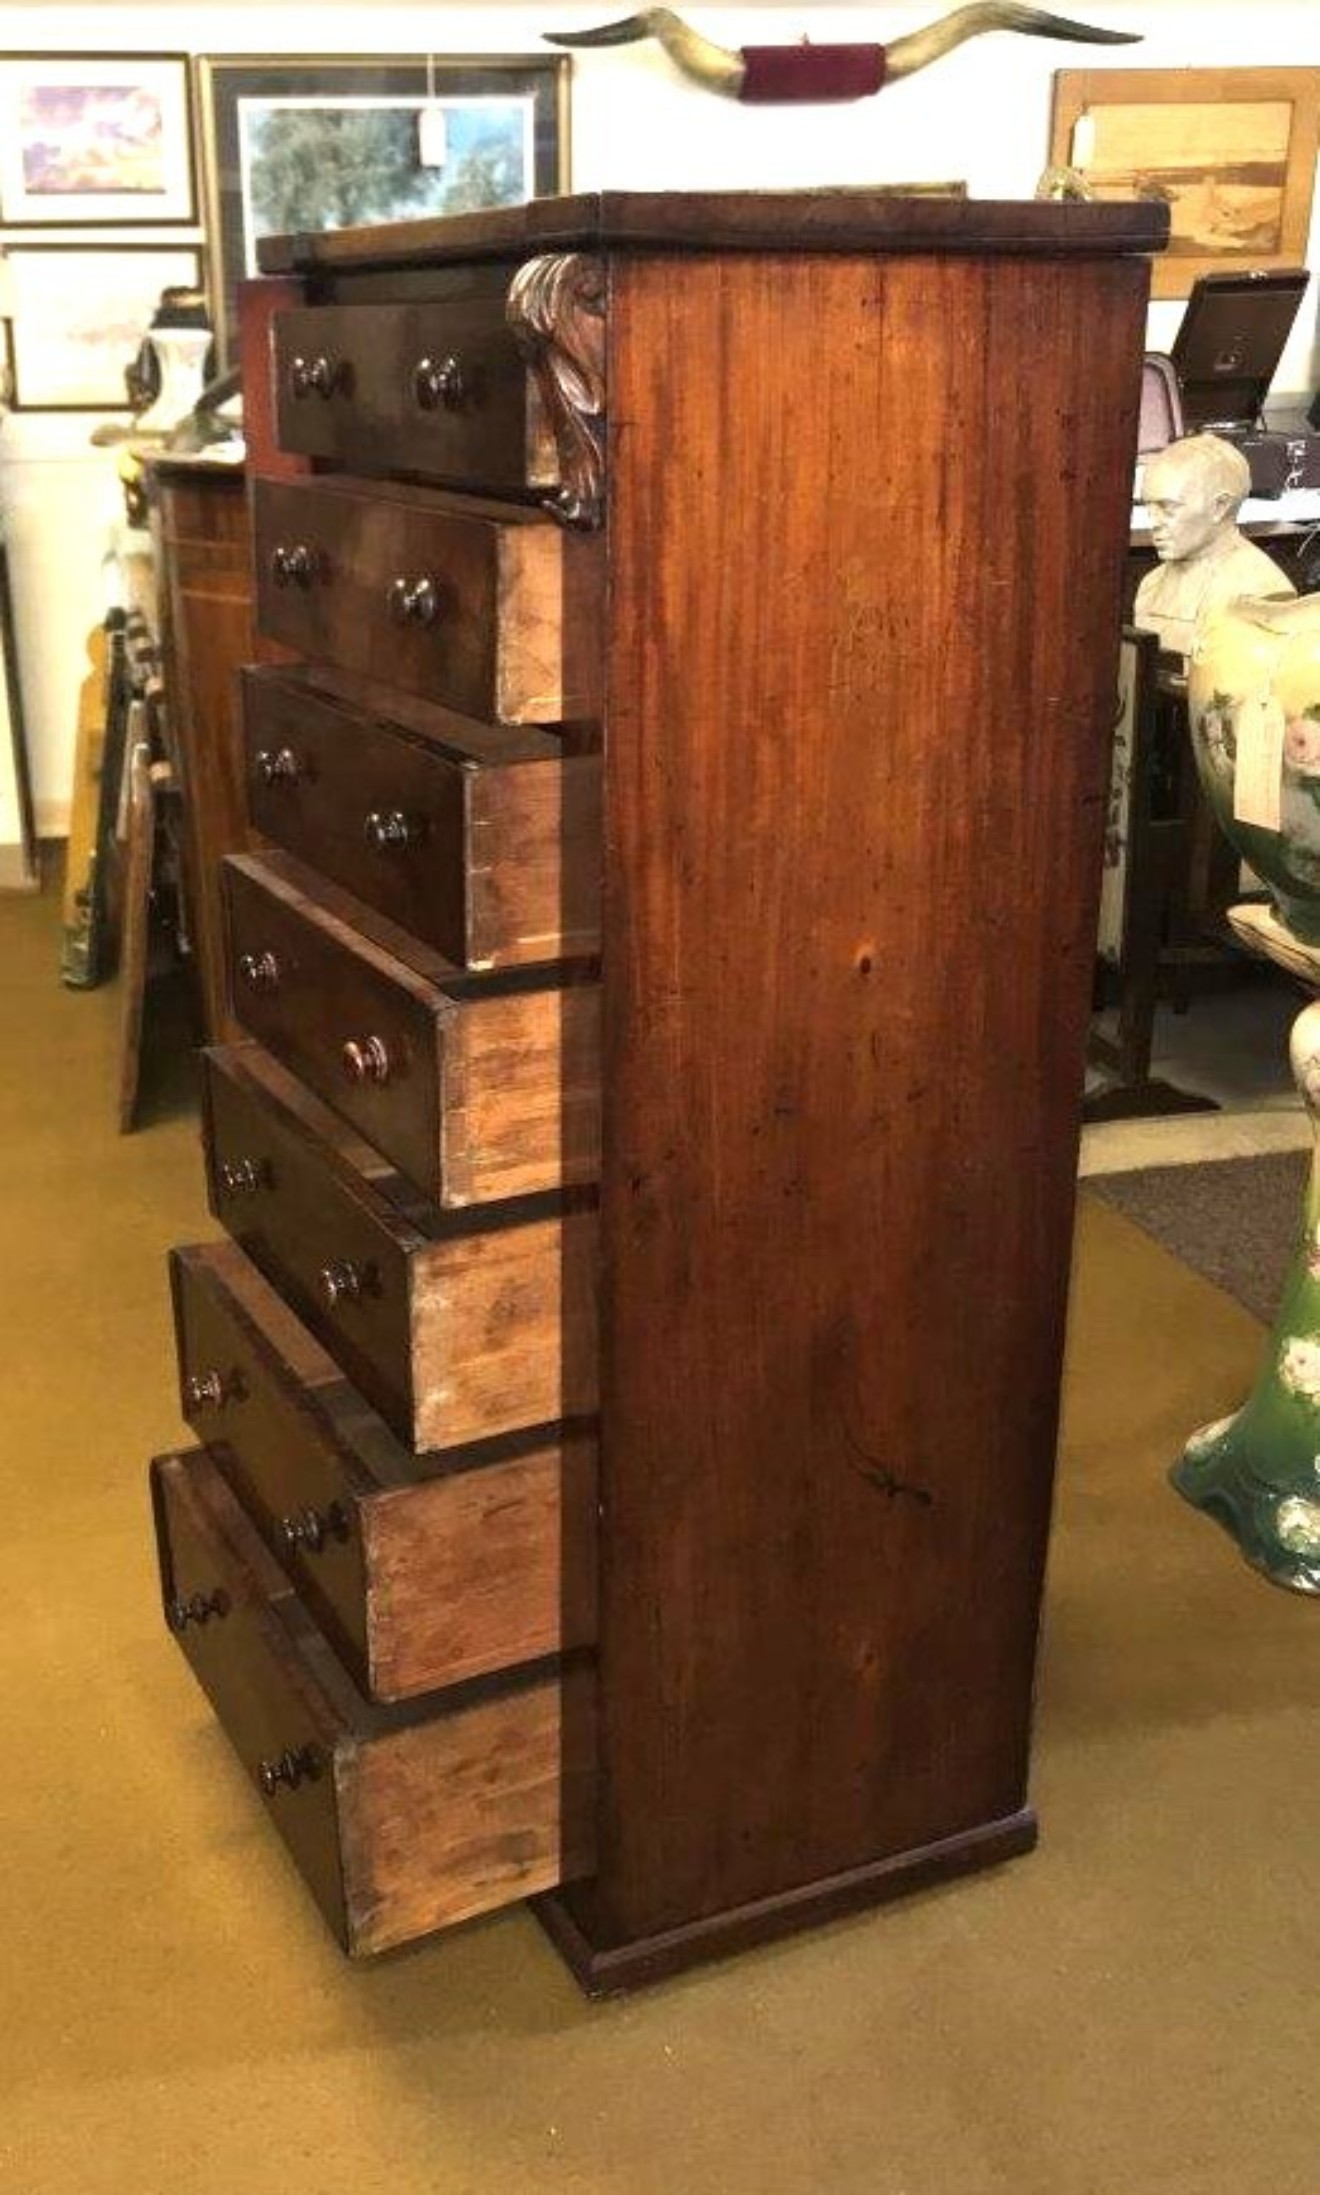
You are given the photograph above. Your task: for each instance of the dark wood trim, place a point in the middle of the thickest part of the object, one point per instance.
(605, 1973)
(780, 221)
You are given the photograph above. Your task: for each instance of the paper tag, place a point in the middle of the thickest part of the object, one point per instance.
(432, 136)
(1082, 149)
(1258, 775)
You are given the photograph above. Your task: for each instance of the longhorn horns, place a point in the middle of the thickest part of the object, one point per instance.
(722, 69)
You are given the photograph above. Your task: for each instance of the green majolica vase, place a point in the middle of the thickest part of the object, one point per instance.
(1254, 679)
(1254, 707)
(1258, 1473)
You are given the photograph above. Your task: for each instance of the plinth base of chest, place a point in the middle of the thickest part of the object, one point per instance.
(610, 1970)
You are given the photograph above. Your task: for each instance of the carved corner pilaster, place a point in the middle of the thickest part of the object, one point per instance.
(556, 311)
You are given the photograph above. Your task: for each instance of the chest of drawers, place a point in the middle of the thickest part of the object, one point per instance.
(627, 1387)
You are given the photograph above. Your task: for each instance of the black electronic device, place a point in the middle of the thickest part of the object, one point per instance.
(1223, 359)
(1229, 343)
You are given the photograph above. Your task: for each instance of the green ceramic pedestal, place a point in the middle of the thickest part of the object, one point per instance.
(1258, 1473)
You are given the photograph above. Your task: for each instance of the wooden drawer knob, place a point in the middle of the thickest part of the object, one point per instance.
(438, 384)
(198, 1608)
(306, 1531)
(389, 830)
(260, 971)
(320, 376)
(343, 1282)
(413, 601)
(293, 564)
(295, 1765)
(278, 766)
(240, 1177)
(366, 1059)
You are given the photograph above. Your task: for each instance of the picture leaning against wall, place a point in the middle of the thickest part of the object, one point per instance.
(1231, 152)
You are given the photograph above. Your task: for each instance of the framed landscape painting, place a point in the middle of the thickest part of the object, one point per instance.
(298, 143)
(80, 313)
(1232, 152)
(95, 139)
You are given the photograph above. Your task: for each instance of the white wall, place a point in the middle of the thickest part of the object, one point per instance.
(982, 114)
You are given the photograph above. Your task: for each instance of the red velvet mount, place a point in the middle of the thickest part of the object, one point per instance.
(804, 73)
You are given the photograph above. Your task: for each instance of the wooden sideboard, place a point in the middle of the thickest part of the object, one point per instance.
(203, 551)
(629, 1391)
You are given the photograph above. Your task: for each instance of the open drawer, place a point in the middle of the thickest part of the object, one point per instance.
(402, 1819)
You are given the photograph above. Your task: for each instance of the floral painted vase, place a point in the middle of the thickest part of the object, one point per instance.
(1253, 699)
(1258, 1473)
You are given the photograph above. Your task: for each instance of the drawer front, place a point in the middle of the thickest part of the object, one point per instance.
(249, 1406)
(323, 1246)
(494, 865)
(381, 814)
(436, 389)
(474, 1096)
(357, 1034)
(461, 606)
(218, 1608)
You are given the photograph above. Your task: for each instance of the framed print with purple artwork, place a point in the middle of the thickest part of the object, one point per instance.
(96, 139)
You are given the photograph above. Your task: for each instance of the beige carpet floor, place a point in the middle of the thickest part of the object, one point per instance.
(1131, 2011)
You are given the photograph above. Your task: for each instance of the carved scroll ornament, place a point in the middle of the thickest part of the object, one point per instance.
(556, 310)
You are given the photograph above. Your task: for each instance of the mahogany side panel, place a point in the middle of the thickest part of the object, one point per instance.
(855, 762)
(258, 303)
(203, 551)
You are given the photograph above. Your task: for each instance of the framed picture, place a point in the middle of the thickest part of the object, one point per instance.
(80, 313)
(96, 138)
(1131, 742)
(300, 143)
(1231, 151)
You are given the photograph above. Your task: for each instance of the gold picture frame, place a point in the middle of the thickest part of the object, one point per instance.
(1232, 151)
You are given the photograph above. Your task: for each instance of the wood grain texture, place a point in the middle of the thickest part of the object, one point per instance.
(486, 433)
(242, 1657)
(258, 303)
(773, 221)
(135, 926)
(504, 1329)
(469, 1572)
(455, 1328)
(856, 756)
(431, 1569)
(457, 1815)
(409, 1818)
(521, 1093)
(202, 535)
(495, 647)
(485, 1092)
(500, 864)
(533, 866)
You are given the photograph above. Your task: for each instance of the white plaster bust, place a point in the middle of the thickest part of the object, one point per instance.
(1193, 491)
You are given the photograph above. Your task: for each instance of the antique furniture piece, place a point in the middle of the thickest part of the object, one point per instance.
(629, 1395)
(1150, 941)
(203, 555)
